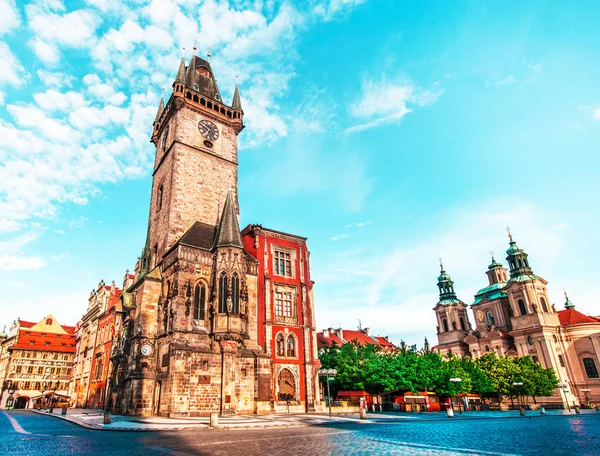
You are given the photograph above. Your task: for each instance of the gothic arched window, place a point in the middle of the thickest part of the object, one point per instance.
(445, 323)
(462, 324)
(544, 305)
(590, 367)
(199, 302)
(522, 307)
(235, 293)
(291, 346)
(223, 293)
(280, 343)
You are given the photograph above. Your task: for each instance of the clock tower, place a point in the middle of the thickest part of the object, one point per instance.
(195, 136)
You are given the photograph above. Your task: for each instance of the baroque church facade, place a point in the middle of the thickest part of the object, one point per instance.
(513, 316)
(215, 319)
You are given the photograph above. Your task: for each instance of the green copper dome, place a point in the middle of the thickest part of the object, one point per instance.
(494, 264)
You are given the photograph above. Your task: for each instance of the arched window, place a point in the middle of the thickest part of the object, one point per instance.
(489, 318)
(590, 367)
(49, 321)
(544, 305)
(445, 323)
(235, 293)
(454, 326)
(280, 343)
(291, 346)
(223, 293)
(199, 302)
(287, 385)
(462, 324)
(159, 198)
(522, 307)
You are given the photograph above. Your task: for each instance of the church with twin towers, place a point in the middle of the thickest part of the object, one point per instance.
(514, 317)
(215, 318)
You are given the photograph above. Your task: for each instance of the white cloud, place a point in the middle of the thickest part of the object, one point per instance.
(359, 224)
(11, 70)
(35, 118)
(339, 237)
(46, 52)
(10, 16)
(388, 101)
(51, 100)
(596, 114)
(332, 9)
(55, 80)
(76, 29)
(10, 257)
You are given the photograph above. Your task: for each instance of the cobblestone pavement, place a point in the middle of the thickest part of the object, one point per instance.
(31, 434)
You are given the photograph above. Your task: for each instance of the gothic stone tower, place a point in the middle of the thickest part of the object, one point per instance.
(190, 346)
(452, 317)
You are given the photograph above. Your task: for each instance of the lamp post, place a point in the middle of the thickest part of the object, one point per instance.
(564, 388)
(330, 375)
(457, 380)
(521, 405)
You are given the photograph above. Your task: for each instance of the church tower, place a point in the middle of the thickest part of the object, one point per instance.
(195, 135)
(191, 344)
(452, 316)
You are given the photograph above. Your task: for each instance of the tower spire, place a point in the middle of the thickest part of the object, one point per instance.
(568, 303)
(517, 259)
(445, 285)
(161, 106)
(228, 231)
(236, 103)
(181, 71)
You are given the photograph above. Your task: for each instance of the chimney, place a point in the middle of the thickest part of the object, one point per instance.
(325, 333)
(367, 331)
(339, 333)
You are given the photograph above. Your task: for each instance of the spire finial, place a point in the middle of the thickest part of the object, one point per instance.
(441, 263)
(195, 48)
(509, 233)
(208, 54)
(182, 52)
(492, 255)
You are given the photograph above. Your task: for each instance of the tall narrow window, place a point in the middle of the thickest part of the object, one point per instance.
(544, 305)
(561, 360)
(235, 293)
(522, 307)
(590, 367)
(199, 302)
(159, 197)
(283, 303)
(282, 263)
(489, 318)
(462, 324)
(155, 254)
(445, 323)
(223, 293)
(280, 343)
(291, 346)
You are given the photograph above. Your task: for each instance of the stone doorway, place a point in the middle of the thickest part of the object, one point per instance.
(287, 385)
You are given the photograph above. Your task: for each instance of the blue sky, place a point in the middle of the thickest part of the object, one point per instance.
(390, 133)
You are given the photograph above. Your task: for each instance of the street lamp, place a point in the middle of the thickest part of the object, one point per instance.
(457, 380)
(519, 401)
(330, 374)
(565, 388)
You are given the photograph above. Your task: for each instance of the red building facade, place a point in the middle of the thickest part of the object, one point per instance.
(286, 308)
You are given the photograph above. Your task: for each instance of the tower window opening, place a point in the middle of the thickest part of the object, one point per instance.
(188, 95)
(196, 99)
(235, 293)
(159, 198)
(522, 307)
(199, 302)
(223, 293)
(291, 346)
(280, 343)
(544, 305)
(489, 318)
(445, 323)
(561, 360)
(590, 368)
(462, 324)
(202, 101)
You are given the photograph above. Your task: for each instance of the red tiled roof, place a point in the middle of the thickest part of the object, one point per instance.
(573, 317)
(358, 336)
(384, 342)
(35, 340)
(323, 341)
(26, 324)
(69, 329)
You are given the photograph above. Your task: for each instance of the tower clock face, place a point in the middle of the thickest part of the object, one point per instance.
(208, 129)
(146, 349)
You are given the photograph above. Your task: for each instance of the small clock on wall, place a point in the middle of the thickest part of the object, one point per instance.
(146, 349)
(480, 315)
(208, 129)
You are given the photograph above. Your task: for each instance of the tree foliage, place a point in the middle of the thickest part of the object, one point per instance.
(365, 367)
